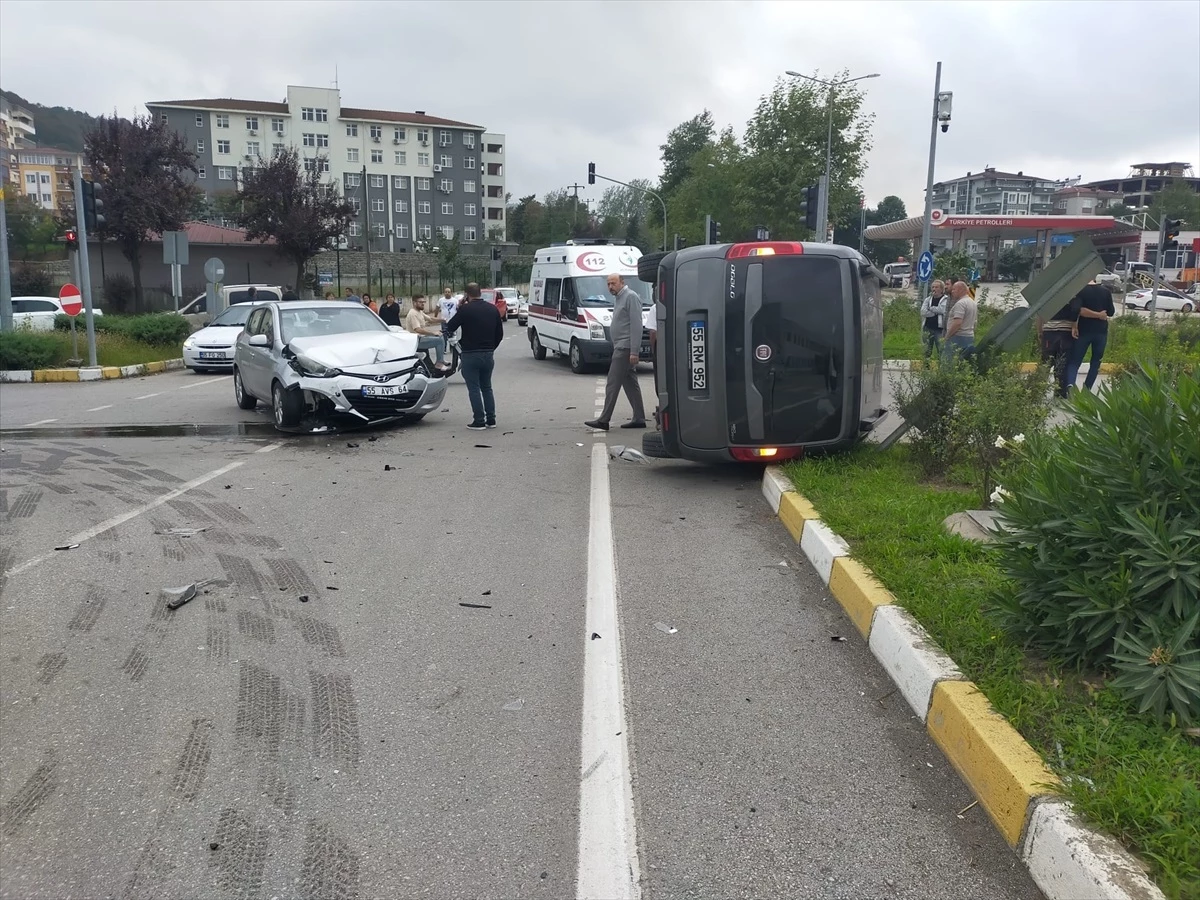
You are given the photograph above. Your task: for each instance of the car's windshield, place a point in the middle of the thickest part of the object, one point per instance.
(234, 316)
(592, 290)
(325, 320)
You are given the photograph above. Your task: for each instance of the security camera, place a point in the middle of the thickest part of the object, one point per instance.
(945, 127)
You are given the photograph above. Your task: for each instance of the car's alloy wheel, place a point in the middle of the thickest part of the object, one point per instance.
(244, 400)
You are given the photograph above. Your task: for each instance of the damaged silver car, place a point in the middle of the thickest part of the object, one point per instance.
(320, 362)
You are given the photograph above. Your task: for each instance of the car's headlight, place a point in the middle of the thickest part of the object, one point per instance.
(307, 366)
(595, 331)
(189, 343)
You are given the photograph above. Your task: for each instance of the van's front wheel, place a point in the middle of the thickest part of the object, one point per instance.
(578, 366)
(535, 344)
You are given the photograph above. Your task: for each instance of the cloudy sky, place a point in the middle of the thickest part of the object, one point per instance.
(1055, 89)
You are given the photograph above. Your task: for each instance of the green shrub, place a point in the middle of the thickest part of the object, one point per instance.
(925, 399)
(160, 329)
(100, 324)
(32, 281)
(1104, 539)
(27, 350)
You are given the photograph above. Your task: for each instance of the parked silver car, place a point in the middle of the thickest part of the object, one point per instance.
(319, 360)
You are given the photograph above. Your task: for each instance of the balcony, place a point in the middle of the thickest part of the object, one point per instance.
(494, 148)
(495, 214)
(495, 191)
(495, 169)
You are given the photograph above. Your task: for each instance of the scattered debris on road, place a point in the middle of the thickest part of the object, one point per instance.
(515, 705)
(484, 446)
(183, 532)
(665, 628)
(372, 438)
(487, 593)
(620, 451)
(475, 605)
(351, 444)
(967, 807)
(213, 845)
(595, 636)
(176, 597)
(67, 547)
(388, 468)
(838, 638)
(330, 587)
(304, 598)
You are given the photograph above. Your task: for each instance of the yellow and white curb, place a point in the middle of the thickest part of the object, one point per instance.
(904, 365)
(1067, 860)
(89, 373)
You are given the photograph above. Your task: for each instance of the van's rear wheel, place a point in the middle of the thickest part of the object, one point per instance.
(653, 446)
(578, 366)
(535, 344)
(648, 267)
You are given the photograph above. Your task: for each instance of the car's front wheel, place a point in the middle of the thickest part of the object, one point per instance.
(244, 399)
(1187, 308)
(287, 406)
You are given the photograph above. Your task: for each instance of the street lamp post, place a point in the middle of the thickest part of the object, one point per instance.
(941, 114)
(823, 200)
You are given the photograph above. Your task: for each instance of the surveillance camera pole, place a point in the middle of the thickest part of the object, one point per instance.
(933, 127)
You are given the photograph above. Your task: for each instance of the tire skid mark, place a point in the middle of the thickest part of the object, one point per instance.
(26, 505)
(268, 714)
(32, 794)
(49, 665)
(217, 643)
(276, 788)
(88, 611)
(321, 635)
(242, 859)
(193, 762)
(330, 867)
(256, 627)
(335, 719)
(136, 664)
(289, 575)
(190, 510)
(241, 572)
(262, 541)
(227, 512)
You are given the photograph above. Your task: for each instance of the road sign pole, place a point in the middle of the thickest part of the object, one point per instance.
(933, 127)
(6, 312)
(85, 282)
(74, 333)
(1158, 259)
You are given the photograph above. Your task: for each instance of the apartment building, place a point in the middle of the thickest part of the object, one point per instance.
(412, 177)
(46, 175)
(1145, 180)
(17, 131)
(996, 193)
(1078, 200)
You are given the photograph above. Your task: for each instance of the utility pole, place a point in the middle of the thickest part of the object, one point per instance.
(85, 271)
(575, 188)
(1158, 259)
(862, 225)
(941, 112)
(6, 311)
(367, 226)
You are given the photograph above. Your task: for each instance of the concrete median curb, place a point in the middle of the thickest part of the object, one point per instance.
(1066, 859)
(904, 365)
(88, 373)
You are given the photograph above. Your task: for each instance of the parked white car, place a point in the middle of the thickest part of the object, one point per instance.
(1168, 301)
(37, 313)
(234, 294)
(211, 347)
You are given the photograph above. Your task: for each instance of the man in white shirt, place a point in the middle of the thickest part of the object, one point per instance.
(960, 330)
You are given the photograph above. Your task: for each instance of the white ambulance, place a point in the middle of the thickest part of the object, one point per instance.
(570, 308)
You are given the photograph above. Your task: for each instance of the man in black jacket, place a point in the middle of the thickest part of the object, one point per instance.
(482, 332)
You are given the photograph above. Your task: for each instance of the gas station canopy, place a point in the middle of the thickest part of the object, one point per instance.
(1102, 230)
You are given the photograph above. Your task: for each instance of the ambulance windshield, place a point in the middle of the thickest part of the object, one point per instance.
(592, 290)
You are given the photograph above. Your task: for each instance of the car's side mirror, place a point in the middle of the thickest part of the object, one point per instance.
(397, 329)
(259, 340)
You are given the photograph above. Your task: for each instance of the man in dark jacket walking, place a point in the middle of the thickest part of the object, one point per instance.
(482, 332)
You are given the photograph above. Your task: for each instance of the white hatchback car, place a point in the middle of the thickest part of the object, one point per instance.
(211, 347)
(38, 313)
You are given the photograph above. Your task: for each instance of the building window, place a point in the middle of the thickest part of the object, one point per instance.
(470, 234)
(1024, 199)
(354, 230)
(400, 134)
(495, 148)
(423, 159)
(199, 121)
(423, 208)
(222, 146)
(444, 139)
(323, 163)
(424, 184)
(469, 162)
(378, 181)
(401, 206)
(378, 204)
(425, 231)
(447, 232)
(469, 139)
(46, 198)
(162, 117)
(447, 209)
(376, 132)
(356, 205)
(351, 154)
(277, 126)
(376, 156)
(401, 158)
(469, 187)
(353, 179)
(381, 230)
(446, 162)
(446, 185)
(400, 182)
(224, 173)
(322, 115)
(201, 174)
(31, 178)
(252, 148)
(352, 130)
(276, 149)
(45, 178)
(470, 209)
(310, 165)
(307, 114)
(322, 140)
(222, 120)
(423, 135)
(252, 123)
(402, 231)
(199, 146)
(309, 140)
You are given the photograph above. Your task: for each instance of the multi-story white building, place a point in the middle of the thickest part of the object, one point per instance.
(412, 177)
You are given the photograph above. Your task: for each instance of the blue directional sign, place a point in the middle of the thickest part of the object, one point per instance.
(974, 275)
(925, 266)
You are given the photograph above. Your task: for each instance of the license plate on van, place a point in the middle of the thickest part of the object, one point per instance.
(698, 351)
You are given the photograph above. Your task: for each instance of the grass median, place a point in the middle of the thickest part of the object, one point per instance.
(1126, 774)
(52, 350)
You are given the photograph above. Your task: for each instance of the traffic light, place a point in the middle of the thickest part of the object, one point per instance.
(1171, 231)
(808, 205)
(714, 231)
(591, 173)
(93, 205)
(495, 253)
(72, 237)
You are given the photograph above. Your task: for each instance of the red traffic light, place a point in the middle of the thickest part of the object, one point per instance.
(72, 239)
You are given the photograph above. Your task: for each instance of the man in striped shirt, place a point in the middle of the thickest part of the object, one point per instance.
(1057, 338)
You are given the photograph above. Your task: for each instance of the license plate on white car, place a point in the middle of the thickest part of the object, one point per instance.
(698, 352)
(381, 390)
(212, 354)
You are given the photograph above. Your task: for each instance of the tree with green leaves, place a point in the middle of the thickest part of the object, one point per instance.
(715, 187)
(1177, 201)
(684, 141)
(293, 205)
(147, 171)
(1014, 263)
(30, 228)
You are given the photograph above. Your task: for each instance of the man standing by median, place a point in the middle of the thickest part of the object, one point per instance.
(482, 332)
(626, 331)
(960, 328)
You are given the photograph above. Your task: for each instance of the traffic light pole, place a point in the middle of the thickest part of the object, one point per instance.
(6, 311)
(592, 174)
(85, 274)
(933, 127)
(1158, 261)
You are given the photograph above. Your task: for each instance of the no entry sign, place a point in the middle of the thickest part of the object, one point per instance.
(71, 300)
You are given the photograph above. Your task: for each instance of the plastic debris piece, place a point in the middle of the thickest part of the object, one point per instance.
(373, 438)
(487, 593)
(665, 628)
(595, 636)
(784, 563)
(213, 845)
(67, 547)
(514, 706)
(183, 532)
(351, 444)
(387, 468)
(330, 587)
(838, 638)
(475, 605)
(176, 597)
(484, 446)
(304, 598)
(228, 486)
(620, 451)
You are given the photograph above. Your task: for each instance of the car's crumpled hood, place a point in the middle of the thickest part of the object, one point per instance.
(218, 335)
(360, 348)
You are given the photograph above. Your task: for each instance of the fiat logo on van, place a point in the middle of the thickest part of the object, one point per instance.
(762, 352)
(591, 262)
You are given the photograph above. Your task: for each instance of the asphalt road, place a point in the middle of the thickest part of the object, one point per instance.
(381, 739)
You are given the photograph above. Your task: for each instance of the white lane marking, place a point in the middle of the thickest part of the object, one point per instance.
(90, 533)
(608, 863)
(98, 408)
(269, 447)
(40, 422)
(147, 396)
(199, 383)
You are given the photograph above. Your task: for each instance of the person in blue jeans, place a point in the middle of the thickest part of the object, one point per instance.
(1091, 332)
(482, 331)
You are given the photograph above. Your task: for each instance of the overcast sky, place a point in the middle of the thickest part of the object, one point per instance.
(1055, 89)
